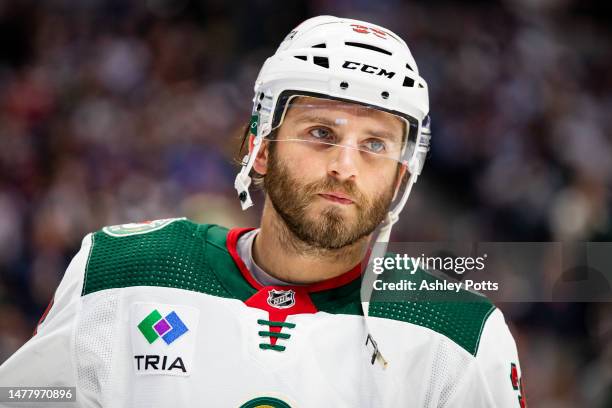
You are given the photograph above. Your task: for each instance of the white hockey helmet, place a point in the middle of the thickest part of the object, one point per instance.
(347, 60)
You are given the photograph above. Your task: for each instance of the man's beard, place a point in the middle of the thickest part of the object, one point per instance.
(328, 230)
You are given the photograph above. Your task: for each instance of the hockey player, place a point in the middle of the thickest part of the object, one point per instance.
(173, 313)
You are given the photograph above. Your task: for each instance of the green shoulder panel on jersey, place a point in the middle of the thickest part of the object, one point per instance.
(459, 316)
(178, 254)
(182, 254)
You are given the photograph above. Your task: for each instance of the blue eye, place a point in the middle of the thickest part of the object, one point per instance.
(321, 134)
(375, 146)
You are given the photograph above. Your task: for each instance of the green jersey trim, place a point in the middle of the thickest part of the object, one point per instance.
(189, 256)
(173, 256)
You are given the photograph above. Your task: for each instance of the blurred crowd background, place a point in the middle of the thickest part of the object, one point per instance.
(115, 111)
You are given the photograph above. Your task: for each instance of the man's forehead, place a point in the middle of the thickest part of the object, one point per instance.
(312, 102)
(305, 104)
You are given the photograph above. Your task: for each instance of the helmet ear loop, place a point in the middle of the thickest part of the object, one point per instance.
(243, 179)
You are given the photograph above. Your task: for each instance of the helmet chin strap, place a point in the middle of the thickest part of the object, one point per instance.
(378, 251)
(243, 180)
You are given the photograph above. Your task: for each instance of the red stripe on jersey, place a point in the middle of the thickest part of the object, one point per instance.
(44, 315)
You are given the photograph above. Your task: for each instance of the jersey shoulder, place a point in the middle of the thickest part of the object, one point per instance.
(173, 252)
(457, 315)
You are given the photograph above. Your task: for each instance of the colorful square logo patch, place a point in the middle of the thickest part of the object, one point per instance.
(163, 338)
(169, 328)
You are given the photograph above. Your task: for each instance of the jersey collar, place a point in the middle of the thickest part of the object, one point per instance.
(328, 284)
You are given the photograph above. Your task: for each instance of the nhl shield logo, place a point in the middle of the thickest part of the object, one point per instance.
(281, 299)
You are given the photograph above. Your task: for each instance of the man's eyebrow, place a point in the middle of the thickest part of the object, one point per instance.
(318, 119)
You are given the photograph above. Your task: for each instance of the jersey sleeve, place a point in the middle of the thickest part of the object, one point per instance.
(47, 359)
(494, 380)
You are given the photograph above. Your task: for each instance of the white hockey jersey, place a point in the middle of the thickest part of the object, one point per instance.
(164, 314)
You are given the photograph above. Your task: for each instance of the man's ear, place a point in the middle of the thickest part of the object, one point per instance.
(260, 165)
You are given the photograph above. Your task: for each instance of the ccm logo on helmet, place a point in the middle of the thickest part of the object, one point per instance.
(370, 69)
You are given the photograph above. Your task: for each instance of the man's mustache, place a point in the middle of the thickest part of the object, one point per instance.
(349, 188)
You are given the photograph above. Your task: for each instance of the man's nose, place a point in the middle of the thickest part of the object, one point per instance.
(343, 163)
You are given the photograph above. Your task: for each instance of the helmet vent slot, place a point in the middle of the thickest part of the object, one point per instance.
(409, 82)
(322, 45)
(367, 47)
(302, 57)
(321, 61)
